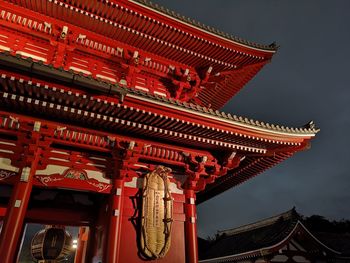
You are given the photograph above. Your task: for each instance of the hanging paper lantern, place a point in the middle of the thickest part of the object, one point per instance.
(51, 243)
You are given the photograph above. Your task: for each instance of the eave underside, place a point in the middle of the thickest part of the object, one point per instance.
(38, 74)
(42, 99)
(73, 104)
(249, 168)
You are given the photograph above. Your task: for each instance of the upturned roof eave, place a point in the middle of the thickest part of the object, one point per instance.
(262, 251)
(230, 121)
(290, 214)
(204, 28)
(26, 65)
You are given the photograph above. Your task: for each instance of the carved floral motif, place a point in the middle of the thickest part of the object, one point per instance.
(100, 186)
(45, 180)
(71, 175)
(76, 174)
(4, 174)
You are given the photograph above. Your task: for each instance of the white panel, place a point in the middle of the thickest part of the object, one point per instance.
(105, 77)
(97, 158)
(284, 248)
(297, 245)
(279, 258)
(138, 183)
(5, 164)
(118, 192)
(141, 88)
(293, 248)
(7, 143)
(5, 48)
(25, 54)
(134, 183)
(80, 70)
(300, 259)
(25, 174)
(52, 169)
(58, 159)
(18, 203)
(99, 176)
(55, 151)
(160, 93)
(6, 151)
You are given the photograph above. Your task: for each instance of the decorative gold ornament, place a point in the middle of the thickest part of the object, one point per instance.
(157, 210)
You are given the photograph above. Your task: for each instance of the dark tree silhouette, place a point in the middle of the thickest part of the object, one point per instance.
(317, 223)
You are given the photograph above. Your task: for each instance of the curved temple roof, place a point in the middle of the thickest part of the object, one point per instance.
(139, 25)
(307, 130)
(161, 33)
(261, 238)
(259, 145)
(17, 62)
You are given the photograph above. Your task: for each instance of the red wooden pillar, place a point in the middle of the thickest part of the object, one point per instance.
(191, 227)
(10, 235)
(115, 214)
(91, 245)
(80, 253)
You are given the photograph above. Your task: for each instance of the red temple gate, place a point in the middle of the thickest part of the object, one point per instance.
(97, 94)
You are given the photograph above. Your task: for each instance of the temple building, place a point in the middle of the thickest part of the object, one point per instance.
(281, 238)
(110, 122)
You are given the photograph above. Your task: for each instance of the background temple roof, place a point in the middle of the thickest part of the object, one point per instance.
(262, 236)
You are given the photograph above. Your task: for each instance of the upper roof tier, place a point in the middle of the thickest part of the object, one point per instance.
(218, 64)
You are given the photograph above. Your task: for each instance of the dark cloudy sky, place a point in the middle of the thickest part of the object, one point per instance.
(309, 78)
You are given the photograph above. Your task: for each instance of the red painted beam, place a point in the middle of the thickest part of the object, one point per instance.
(121, 138)
(60, 181)
(67, 216)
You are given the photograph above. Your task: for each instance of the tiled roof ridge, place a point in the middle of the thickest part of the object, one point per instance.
(288, 215)
(166, 11)
(28, 64)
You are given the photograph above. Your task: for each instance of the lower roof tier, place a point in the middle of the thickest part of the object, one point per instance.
(242, 148)
(59, 140)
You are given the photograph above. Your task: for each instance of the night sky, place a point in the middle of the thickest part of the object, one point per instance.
(308, 79)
